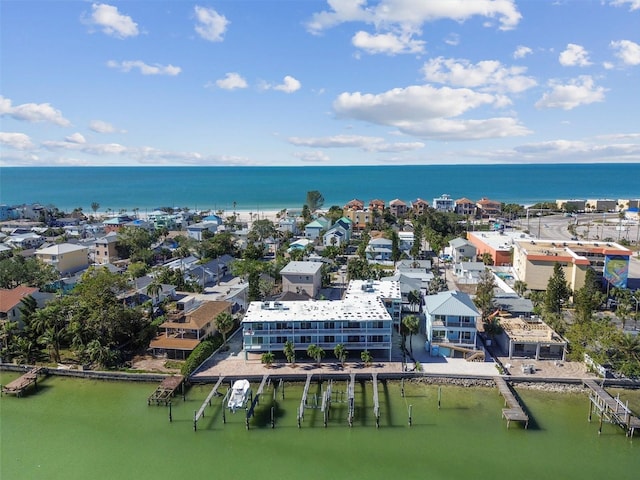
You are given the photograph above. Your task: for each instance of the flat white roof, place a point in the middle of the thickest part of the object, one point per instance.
(501, 241)
(324, 310)
(364, 289)
(61, 248)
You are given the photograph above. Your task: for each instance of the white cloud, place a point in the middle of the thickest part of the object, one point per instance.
(112, 22)
(17, 141)
(489, 74)
(574, 56)
(426, 111)
(76, 138)
(33, 112)
(368, 144)
(312, 157)
(627, 51)
(145, 69)
(387, 43)
(210, 24)
(231, 81)
(579, 91)
(452, 39)
(410, 15)
(288, 85)
(522, 51)
(99, 126)
(633, 4)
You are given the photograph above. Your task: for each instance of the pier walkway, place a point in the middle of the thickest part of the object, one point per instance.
(610, 409)
(256, 399)
(376, 402)
(207, 401)
(19, 385)
(514, 411)
(303, 401)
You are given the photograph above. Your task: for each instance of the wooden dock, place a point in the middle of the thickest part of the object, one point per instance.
(376, 402)
(256, 399)
(351, 398)
(514, 410)
(610, 409)
(303, 401)
(166, 390)
(19, 385)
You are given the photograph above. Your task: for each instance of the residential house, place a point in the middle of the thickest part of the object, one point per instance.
(353, 205)
(468, 272)
(444, 203)
(11, 301)
(197, 230)
(376, 205)
(66, 258)
(398, 208)
(288, 224)
(405, 240)
(419, 206)
(105, 249)
(450, 323)
(185, 328)
(379, 250)
(302, 277)
(359, 218)
(116, 223)
(24, 240)
(210, 272)
(313, 230)
(335, 236)
(300, 244)
(7, 213)
(530, 338)
(465, 207)
(488, 208)
(462, 250)
(357, 324)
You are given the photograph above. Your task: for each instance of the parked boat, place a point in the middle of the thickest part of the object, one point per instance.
(239, 394)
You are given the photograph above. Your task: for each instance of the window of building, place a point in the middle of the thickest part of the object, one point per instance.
(329, 325)
(329, 339)
(305, 338)
(305, 325)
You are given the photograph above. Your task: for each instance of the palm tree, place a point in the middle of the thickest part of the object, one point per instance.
(224, 324)
(414, 299)
(95, 206)
(366, 357)
(520, 287)
(154, 289)
(267, 359)
(315, 352)
(412, 324)
(290, 352)
(341, 353)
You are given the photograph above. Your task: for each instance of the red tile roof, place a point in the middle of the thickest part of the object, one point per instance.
(11, 298)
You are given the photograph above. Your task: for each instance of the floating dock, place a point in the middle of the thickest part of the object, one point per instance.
(610, 409)
(166, 390)
(514, 411)
(19, 385)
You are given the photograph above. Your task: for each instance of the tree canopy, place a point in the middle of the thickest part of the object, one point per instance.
(314, 200)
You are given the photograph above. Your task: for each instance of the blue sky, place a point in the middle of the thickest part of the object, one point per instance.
(305, 82)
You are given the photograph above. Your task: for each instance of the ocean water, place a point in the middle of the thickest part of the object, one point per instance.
(272, 188)
(79, 429)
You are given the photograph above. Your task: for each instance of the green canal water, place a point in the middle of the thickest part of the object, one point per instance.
(82, 429)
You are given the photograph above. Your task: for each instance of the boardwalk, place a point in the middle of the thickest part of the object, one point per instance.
(19, 385)
(610, 409)
(514, 411)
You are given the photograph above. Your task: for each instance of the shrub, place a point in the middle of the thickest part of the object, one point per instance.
(201, 353)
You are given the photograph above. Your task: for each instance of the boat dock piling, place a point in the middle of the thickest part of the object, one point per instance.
(514, 411)
(610, 409)
(207, 401)
(303, 401)
(376, 403)
(166, 390)
(256, 399)
(351, 396)
(19, 385)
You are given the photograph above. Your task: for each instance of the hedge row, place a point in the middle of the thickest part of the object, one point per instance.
(201, 353)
